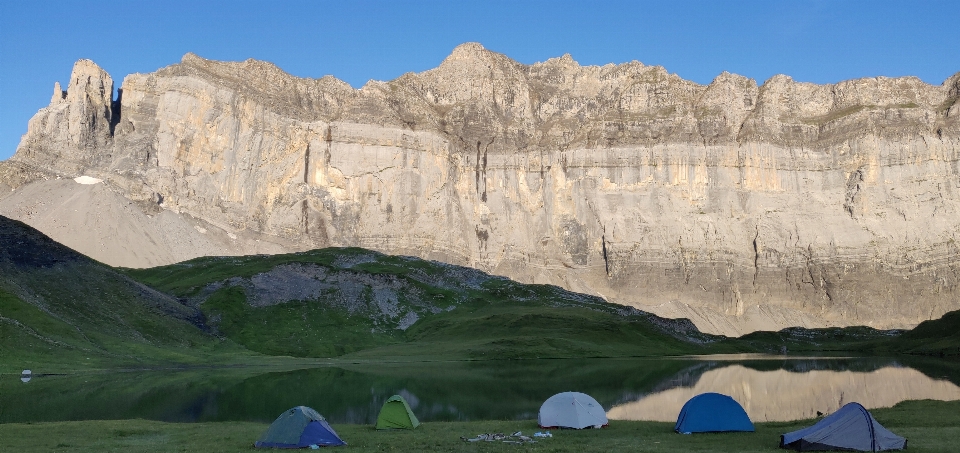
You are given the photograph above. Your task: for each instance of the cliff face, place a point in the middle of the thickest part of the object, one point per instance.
(740, 206)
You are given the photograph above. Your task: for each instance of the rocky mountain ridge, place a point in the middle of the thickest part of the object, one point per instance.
(740, 206)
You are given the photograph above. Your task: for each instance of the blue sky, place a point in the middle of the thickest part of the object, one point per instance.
(814, 41)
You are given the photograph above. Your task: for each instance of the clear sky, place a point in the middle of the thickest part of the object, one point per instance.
(813, 41)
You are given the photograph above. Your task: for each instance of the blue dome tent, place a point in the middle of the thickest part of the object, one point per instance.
(712, 413)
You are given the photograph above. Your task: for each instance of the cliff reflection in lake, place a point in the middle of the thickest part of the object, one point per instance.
(650, 389)
(781, 395)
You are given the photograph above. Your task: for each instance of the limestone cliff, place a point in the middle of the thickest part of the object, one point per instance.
(740, 206)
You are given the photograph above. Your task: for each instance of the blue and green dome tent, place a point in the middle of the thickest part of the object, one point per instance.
(712, 413)
(299, 427)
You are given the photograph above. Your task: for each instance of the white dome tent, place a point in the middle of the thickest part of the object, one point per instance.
(571, 410)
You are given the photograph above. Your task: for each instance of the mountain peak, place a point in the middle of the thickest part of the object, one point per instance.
(467, 51)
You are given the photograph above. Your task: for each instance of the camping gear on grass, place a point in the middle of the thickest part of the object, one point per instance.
(571, 410)
(712, 413)
(515, 438)
(300, 427)
(396, 414)
(849, 428)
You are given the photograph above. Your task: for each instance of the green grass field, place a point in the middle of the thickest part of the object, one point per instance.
(929, 426)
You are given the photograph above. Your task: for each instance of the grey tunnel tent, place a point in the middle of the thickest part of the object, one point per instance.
(849, 428)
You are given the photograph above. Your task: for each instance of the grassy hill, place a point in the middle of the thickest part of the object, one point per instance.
(60, 308)
(937, 337)
(361, 304)
(822, 341)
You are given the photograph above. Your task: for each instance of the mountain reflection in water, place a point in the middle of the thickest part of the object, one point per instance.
(781, 395)
(771, 388)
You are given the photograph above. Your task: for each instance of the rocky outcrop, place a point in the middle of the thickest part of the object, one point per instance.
(77, 125)
(740, 206)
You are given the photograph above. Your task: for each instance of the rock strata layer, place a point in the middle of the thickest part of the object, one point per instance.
(741, 207)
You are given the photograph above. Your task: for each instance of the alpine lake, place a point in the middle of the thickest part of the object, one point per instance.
(770, 388)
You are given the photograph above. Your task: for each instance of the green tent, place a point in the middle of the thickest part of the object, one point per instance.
(396, 414)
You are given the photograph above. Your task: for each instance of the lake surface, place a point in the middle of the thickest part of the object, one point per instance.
(770, 389)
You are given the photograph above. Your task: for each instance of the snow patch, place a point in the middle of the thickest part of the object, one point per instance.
(87, 180)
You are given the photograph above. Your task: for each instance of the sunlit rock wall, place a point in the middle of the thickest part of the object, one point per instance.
(740, 206)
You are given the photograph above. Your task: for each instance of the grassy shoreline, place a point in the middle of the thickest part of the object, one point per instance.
(930, 426)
